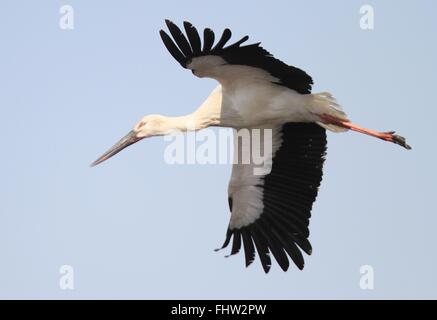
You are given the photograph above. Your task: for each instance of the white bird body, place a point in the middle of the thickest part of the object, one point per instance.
(250, 97)
(270, 211)
(248, 104)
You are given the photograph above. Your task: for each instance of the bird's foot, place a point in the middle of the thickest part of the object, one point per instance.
(392, 137)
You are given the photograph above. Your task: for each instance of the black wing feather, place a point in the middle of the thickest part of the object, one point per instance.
(223, 40)
(172, 48)
(229, 234)
(250, 55)
(180, 39)
(208, 41)
(275, 246)
(236, 244)
(262, 248)
(239, 42)
(289, 192)
(193, 37)
(249, 249)
(286, 234)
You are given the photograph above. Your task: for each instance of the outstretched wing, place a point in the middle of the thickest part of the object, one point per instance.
(209, 60)
(270, 213)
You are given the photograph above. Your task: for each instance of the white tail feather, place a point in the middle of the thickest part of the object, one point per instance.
(325, 103)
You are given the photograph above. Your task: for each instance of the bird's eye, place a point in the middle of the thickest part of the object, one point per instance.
(141, 125)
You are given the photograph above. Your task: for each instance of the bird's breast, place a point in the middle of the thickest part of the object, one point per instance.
(254, 104)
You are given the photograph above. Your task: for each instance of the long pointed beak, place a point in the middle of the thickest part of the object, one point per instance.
(126, 141)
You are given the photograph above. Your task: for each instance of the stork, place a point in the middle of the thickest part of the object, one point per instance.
(269, 213)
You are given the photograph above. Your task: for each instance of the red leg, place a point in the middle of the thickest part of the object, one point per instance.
(387, 136)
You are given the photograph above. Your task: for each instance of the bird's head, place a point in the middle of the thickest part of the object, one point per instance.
(148, 126)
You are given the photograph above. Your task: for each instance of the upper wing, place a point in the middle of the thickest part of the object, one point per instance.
(213, 61)
(271, 213)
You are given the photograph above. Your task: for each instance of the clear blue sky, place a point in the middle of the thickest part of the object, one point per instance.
(136, 227)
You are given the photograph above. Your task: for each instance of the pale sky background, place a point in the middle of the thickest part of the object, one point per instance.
(136, 227)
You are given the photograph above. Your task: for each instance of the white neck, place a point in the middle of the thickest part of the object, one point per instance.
(208, 114)
(191, 122)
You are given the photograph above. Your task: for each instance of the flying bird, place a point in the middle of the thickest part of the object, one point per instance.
(269, 212)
